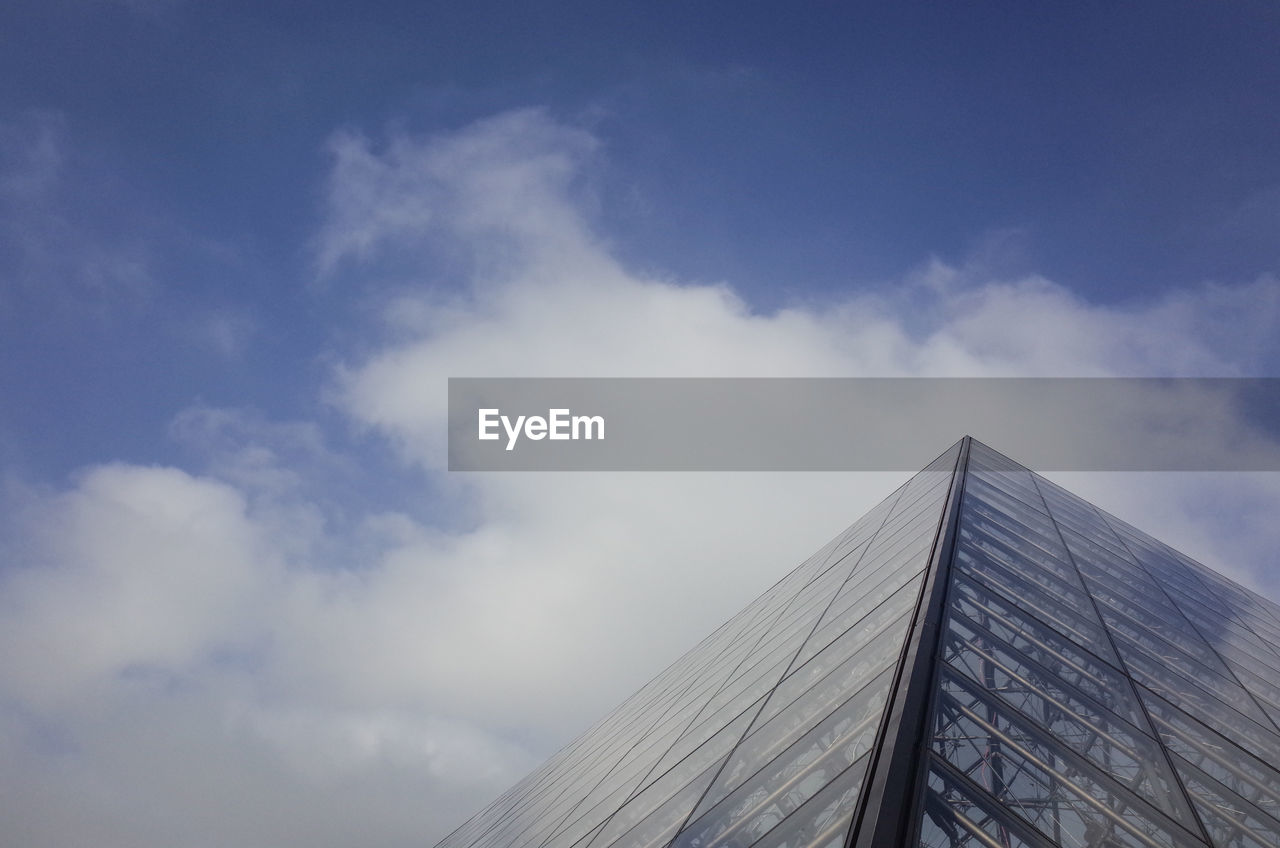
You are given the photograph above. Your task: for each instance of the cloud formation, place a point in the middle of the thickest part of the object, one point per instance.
(240, 655)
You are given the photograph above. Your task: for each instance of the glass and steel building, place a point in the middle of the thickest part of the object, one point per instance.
(984, 659)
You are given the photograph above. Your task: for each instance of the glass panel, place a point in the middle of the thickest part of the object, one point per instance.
(1017, 487)
(1122, 610)
(1208, 692)
(978, 487)
(707, 728)
(1044, 551)
(785, 781)
(958, 814)
(770, 739)
(914, 542)
(1227, 637)
(1232, 821)
(1173, 655)
(1032, 776)
(1044, 645)
(674, 784)
(657, 828)
(1234, 767)
(1007, 583)
(1050, 570)
(861, 654)
(1031, 526)
(823, 820)
(875, 605)
(1041, 697)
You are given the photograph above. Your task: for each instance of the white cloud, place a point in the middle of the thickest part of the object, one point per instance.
(580, 313)
(1033, 326)
(146, 568)
(143, 684)
(197, 635)
(466, 186)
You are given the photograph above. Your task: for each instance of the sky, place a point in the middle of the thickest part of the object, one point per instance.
(243, 246)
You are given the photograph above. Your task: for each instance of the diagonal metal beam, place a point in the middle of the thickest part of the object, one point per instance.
(885, 817)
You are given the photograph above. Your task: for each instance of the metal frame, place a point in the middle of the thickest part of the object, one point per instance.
(885, 817)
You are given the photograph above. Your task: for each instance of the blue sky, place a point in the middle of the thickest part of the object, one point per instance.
(242, 246)
(1117, 149)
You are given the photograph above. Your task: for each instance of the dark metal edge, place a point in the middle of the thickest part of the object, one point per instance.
(885, 816)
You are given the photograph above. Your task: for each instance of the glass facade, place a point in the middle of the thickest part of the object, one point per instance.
(1094, 686)
(982, 660)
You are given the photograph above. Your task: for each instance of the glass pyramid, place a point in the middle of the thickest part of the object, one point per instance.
(982, 660)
